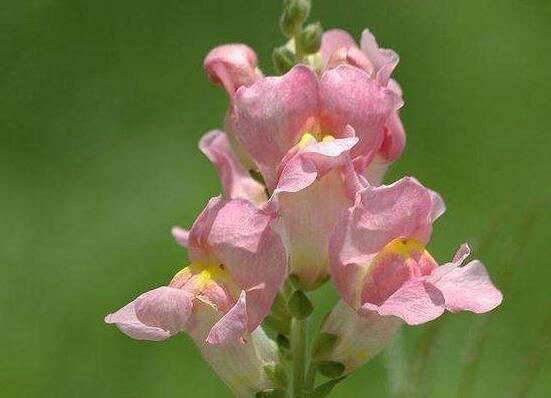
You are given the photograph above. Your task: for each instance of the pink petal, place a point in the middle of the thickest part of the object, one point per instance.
(301, 170)
(181, 236)
(315, 186)
(333, 40)
(253, 254)
(236, 180)
(233, 66)
(462, 253)
(438, 206)
(416, 302)
(198, 241)
(233, 325)
(128, 323)
(350, 97)
(165, 307)
(375, 170)
(395, 138)
(380, 215)
(384, 60)
(270, 114)
(469, 288)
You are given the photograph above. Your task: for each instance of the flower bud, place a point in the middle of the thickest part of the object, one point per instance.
(283, 59)
(294, 15)
(310, 38)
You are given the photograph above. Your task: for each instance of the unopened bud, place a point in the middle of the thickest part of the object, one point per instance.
(310, 38)
(294, 14)
(283, 59)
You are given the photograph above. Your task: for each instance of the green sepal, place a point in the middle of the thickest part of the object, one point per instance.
(271, 393)
(324, 344)
(330, 369)
(300, 306)
(283, 342)
(324, 389)
(277, 374)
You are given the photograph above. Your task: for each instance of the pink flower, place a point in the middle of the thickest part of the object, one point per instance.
(385, 276)
(272, 116)
(339, 47)
(236, 271)
(380, 264)
(316, 183)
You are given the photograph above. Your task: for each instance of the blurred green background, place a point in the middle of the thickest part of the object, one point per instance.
(101, 106)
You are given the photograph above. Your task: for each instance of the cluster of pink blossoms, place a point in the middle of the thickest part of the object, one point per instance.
(321, 137)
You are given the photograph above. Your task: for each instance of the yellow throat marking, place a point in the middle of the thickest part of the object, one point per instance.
(308, 139)
(404, 247)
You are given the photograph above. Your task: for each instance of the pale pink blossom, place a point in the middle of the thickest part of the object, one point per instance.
(380, 264)
(235, 270)
(271, 117)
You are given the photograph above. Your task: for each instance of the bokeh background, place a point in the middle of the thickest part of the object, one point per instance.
(101, 106)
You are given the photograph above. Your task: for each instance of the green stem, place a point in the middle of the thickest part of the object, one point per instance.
(311, 376)
(298, 348)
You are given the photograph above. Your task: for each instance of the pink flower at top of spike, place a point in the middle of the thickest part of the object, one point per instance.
(272, 116)
(380, 264)
(339, 47)
(236, 271)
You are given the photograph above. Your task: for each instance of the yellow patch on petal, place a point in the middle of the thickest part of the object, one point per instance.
(209, 273)
(203, 275)
(404, 247)
(308, 138)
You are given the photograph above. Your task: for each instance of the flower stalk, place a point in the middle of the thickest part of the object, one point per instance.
(298, 348)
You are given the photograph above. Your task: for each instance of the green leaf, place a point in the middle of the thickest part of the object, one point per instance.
(300, 306)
